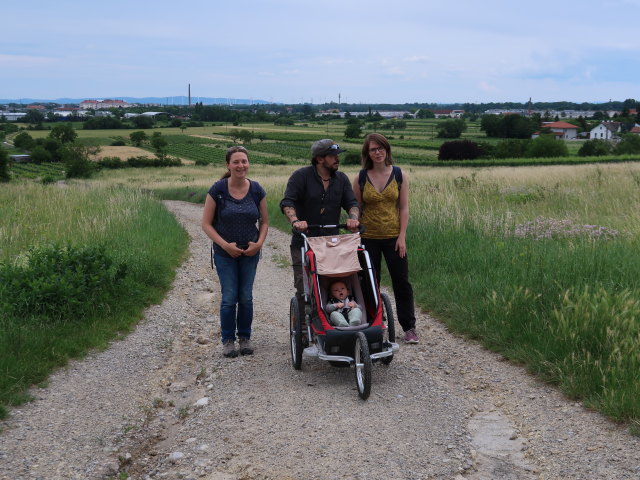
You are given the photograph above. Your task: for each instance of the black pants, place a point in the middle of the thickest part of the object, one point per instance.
(399, 273)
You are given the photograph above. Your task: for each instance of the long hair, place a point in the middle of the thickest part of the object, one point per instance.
(380, 140)
(227, 158)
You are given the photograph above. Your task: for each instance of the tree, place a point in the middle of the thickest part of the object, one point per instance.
(424, 113)
(459, 150)
(353, 130)
(452, 128)
(40, 155)
(547, 146)
(33, 117)
(64, 133)
(4, 166)
(24, 141)
(142, 121)
(137, 137)
(595, 148)
(630, 144)
(78, 160)
(159, 143)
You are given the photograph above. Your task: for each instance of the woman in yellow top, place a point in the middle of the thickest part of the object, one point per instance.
(383, 194)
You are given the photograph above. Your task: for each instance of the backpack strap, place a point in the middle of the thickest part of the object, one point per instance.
(362, 177)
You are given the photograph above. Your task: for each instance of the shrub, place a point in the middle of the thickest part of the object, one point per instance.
(76, 158)
(546, 146)
(40, 155)
(111, 162)
(351, 158)
(23, 141)
(595, 148)
(58, 283)
(118, 143)
(4, 166)
(452, 128)
(512, 148)
(630, 144)
(459, 150)
(141, 162)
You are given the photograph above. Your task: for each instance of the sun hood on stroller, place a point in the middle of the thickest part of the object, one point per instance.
(336, 255)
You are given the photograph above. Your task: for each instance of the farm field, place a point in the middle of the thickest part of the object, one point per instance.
(538, 263)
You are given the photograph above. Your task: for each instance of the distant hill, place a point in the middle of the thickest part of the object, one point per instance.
(177, 100)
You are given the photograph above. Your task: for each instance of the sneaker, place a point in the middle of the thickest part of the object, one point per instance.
(229, 349)
(245, 346)
(411, 336)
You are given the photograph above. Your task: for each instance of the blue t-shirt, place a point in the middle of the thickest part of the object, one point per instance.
(236, 220)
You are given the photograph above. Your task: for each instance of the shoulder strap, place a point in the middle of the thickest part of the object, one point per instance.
(362, 178)
(397, 172)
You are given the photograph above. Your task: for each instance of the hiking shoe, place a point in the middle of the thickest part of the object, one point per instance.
(410, 336)
(245, 346)
(229, 349)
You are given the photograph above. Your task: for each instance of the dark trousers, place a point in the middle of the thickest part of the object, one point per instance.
(399, 273)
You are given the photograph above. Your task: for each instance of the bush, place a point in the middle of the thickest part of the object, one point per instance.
(547, 146)
(118, 143)
(24, 141)
(595, 148)
(351, 158)
(141, 162)
(76, 158)
(112, 163)
(4, 166)
(459, 150)
(58, 283)
(512, 148)
(452, 128)
(40, 155)
(630, 144)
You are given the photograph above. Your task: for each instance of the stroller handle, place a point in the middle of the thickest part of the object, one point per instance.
(342, 226)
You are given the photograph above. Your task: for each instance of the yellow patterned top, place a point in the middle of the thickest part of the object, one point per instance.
(381, 216)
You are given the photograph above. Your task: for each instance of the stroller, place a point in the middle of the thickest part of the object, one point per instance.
(312, 334)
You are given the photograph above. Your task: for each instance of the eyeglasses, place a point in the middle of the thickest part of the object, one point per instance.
(377, 150)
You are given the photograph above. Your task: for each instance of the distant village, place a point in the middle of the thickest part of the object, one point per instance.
(606, 130)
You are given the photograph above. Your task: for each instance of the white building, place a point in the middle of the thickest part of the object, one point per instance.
(606, 131)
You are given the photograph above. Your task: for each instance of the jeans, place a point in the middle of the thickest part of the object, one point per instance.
(399, 273)
(236, 305)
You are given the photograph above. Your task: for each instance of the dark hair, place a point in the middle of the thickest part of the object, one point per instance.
(227, 158)
(380, 140)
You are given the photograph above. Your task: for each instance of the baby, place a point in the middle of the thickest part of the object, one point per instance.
(341, 304)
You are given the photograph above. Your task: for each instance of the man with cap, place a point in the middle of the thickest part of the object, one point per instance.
(316, 195)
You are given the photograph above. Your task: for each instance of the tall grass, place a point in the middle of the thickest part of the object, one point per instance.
(131, 229)
(541, 265)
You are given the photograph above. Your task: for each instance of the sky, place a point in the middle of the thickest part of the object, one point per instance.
(311, 51)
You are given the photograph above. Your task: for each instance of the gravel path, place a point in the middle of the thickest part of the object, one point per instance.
(164, 404)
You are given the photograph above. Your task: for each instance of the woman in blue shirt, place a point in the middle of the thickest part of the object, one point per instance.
(235, 219)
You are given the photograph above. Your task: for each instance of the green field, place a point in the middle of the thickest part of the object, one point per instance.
(538, 263)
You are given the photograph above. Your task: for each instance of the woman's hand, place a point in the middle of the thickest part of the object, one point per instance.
(401, 246)
(252, 249)
(233, 250)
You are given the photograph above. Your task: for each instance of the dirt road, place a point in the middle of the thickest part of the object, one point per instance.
(164, 404)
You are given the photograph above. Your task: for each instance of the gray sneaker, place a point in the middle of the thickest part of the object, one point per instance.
(244, 344)
(229, 349)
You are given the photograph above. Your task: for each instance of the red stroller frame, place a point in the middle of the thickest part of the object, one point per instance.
(313, 335)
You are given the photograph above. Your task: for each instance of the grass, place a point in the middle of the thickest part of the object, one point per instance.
(557, 295)
(134, 230)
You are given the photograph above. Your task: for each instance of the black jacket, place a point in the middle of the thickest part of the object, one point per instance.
(313, 204)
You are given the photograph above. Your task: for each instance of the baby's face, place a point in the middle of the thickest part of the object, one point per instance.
(339, 291)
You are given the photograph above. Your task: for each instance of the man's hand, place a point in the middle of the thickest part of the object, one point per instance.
(353, 224)
(300, 225)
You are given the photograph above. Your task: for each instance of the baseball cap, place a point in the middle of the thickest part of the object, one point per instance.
(325, 147)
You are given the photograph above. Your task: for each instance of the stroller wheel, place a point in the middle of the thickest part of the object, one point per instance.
(388, 320)
(295, 334)
(363, 366)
